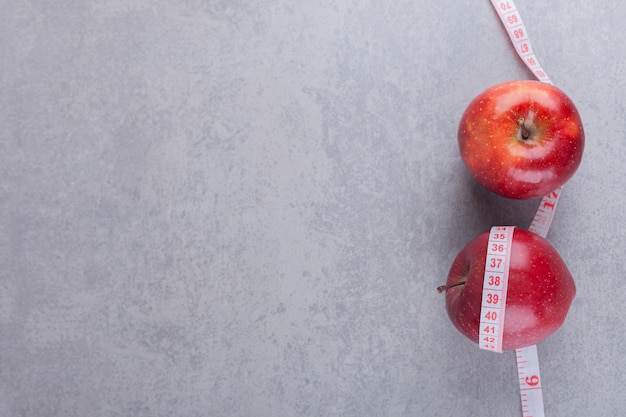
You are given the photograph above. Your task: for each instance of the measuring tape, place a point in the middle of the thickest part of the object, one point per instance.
(543, 218)
(529, 381)
(514, 26)
(495, 285)
(492, 313)
(499, 248)
(531, 394)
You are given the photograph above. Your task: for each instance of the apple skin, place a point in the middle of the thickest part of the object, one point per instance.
(495, 149)
(540, 290)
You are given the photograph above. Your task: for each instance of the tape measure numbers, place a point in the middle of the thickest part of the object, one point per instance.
(512, 21)
(531, 394)
(495, 286)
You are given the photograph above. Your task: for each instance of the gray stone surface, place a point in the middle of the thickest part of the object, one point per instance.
(231, 208)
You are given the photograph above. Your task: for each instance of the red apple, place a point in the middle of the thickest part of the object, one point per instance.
(540, 290)
(521, 139)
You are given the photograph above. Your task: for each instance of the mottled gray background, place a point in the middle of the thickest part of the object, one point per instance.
(243, 208)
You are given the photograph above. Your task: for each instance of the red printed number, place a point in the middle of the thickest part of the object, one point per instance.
(512, 19)
(497, 247)
(532, 380)
(492, 298)
(495, 263)
(494, 280)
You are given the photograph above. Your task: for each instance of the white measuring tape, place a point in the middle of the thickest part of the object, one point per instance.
(495, 288)
(493, 311)
(500, 238)
(514, 26)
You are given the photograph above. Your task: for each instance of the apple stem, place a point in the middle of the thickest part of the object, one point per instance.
(522, 125)
(447, 287)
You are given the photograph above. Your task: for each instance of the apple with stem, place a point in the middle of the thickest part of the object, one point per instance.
(540, 290)
(521, 139)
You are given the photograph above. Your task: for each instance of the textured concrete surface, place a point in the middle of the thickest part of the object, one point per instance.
(231, 208)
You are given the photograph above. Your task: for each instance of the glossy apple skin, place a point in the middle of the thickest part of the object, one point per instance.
(540, 290)
(495, 153)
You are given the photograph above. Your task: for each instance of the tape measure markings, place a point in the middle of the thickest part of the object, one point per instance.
(512, 21)
(543, 217)
(529, 381)
(495, 286)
